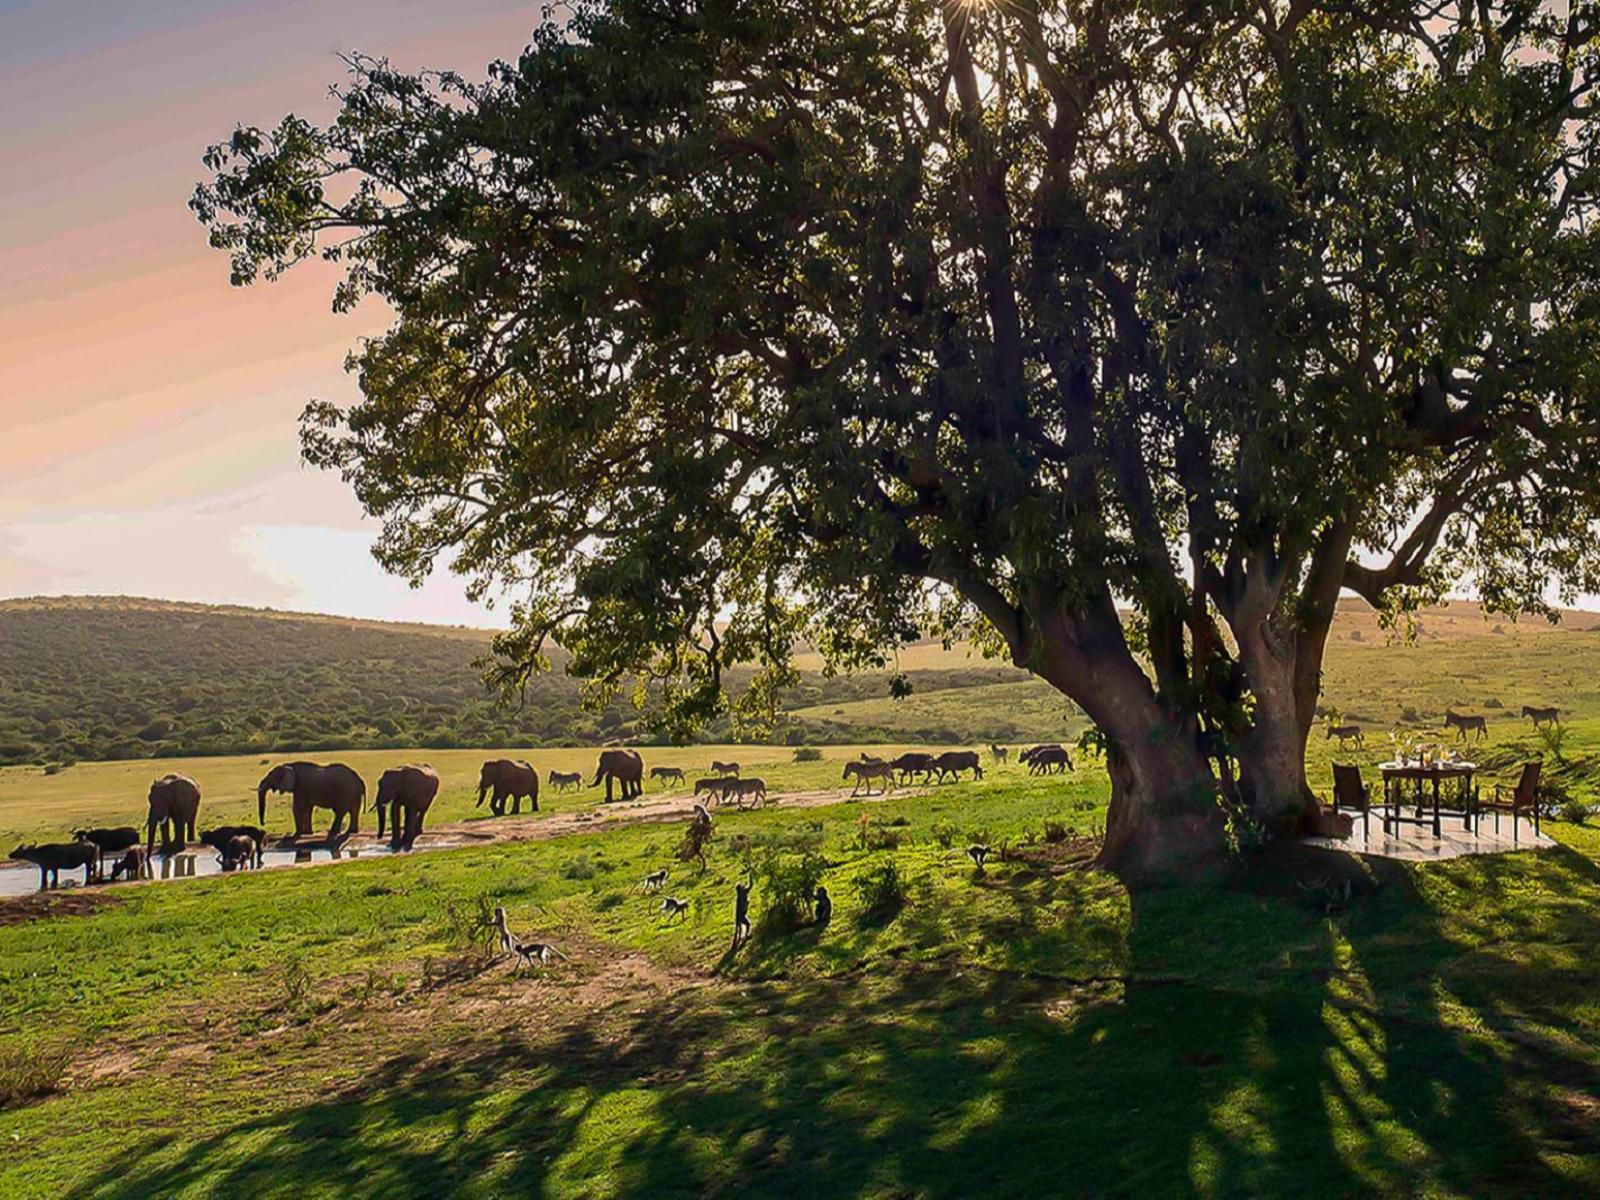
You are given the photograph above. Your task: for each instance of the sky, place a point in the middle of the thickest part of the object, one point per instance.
(148, 410)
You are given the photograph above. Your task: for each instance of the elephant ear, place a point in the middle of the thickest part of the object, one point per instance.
(286, 779)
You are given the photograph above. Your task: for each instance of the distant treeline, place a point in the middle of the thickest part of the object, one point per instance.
(86, 680)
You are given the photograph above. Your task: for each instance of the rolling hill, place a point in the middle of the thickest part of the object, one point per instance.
(117, 678)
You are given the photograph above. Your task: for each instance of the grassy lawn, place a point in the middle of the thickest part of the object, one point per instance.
(1034, 1030)
(36, 806)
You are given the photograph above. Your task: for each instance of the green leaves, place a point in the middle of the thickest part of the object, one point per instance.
(726, 326)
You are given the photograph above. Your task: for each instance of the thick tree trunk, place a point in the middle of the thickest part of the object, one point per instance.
(1272, 753)
(1164, 823)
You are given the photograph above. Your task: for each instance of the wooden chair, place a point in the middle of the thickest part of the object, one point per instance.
(1350, 792)
(1523, 798)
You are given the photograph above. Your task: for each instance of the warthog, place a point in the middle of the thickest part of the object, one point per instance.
(725, 768)
(563, 780)
(664, 773)
(1346, 733)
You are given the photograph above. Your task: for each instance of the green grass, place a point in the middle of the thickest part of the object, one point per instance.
(1033, 1031)
(39, 806)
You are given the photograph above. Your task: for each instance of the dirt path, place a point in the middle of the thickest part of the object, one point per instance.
(655, 810)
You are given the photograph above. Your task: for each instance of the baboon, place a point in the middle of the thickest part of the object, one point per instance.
(529, 951)
(824, 905)
(108, 841)
(671, 907)
(135, 864)
(508, 944)
(656, 880)
(977, 853)
(54, 857)
(741, 912)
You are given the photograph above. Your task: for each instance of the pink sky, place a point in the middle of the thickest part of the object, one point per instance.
(147, 410)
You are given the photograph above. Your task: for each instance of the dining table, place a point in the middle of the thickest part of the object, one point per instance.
(1428, 780)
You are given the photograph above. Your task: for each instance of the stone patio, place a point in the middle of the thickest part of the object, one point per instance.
(1412, 843)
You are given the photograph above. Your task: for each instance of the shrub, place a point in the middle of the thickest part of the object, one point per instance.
(807, 754)
(872, 834)
(1575, 811)
(882, 890)
(787, 884)
(294, 981)
(581, 867)
(469, 924)
(1055, 831)
(945, 834)
(29, 1072)
(1554, 737)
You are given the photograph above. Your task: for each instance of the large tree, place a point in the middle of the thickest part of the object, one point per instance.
(1122, 335)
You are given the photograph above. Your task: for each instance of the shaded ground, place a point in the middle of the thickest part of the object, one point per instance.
(1029, 1031)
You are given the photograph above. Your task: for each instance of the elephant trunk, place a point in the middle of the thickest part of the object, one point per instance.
(261, 805)
(598, 775)
(483, 790)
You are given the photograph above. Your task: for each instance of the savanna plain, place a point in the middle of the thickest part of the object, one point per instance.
(1320, 1024)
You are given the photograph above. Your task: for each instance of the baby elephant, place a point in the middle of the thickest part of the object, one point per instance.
(240, 853)
(55, 857)
(135, 864)
(108, 841)
(222, 837)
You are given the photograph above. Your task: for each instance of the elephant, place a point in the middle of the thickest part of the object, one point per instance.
(313, 786)
(408, 788)
(504, 778)
(174, 805)
(624, 766)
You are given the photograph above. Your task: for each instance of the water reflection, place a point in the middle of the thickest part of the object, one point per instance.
(23, 879)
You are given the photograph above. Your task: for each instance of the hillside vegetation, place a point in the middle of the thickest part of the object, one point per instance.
(114, 678)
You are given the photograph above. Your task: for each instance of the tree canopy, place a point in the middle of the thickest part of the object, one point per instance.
(1122, 335)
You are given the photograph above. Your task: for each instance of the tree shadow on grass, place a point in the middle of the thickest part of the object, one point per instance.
(1244, 1044)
